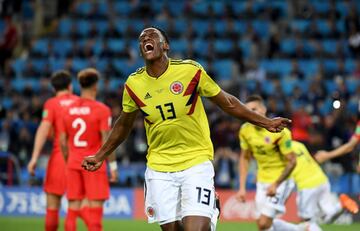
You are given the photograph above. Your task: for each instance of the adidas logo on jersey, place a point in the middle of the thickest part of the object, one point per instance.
(148, 96)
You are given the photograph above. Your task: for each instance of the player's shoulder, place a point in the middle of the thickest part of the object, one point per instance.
(140, 71)
(246, 126)
(185, 62)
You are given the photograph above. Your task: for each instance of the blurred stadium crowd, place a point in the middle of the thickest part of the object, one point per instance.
(301, 56)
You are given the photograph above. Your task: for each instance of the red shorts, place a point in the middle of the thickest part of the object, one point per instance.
(83, 184)
(55, 179)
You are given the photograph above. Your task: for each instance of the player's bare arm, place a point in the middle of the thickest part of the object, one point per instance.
(233, 106)
(290, 166)
(40, 139)
(245, 156)
(112, 160)
(118, 134)
(64, 145)
(322, 156)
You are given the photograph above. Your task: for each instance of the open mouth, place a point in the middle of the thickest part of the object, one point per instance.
(148, 47)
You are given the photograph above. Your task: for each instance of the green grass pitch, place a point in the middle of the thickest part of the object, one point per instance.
(35, 224)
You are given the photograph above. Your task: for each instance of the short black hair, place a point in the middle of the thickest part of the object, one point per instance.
(60, 80)
(88, 77)
(254, 98)
(162, 32)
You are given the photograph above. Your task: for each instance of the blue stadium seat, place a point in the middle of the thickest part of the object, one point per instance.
(6, 102)
(101, 65)
(39, 65)
(288, 46)
(57, 64)
(218, 7)
(176, 7)
(116, 45)
(321, 6)
(282, 6)
(300, 25)
(267, 87)
(200, 46)
(121, 25)
(98, 47)
(116, 83)
(178, 45)
(288, 86)
(18, 65)
(220, 26)
(201, 7)
(64, 27)
(41, 46)
(342, 8)
(83, 27)
(238, 7)
(102, 26)
(62, 47)
(223, 69)
(352, 108)
(352, 84)
(122, 8)
(261, 27)
(200, 24)
(349, 65)
(138, 25)
(83, 8)
(330, 65)
(2, 25)
(163, 24)
(223, 45)
(329, 46)
(79, 64)
(181, 25)
(330, 85)
(245, 46)
(102, 8)
(323, 27)
(309, 67)
(240, 26)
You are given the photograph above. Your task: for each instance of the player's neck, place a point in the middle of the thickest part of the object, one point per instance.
(157, 67)
(62, 92)
(88, 94)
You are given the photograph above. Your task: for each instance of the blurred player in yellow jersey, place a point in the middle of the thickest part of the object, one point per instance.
(314, 199)
(179, 181)
(275, 161)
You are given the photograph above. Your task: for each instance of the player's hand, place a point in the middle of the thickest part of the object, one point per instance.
(91, 163)
(114, 176)
(271, 191)
(278, 124)
(31, 167)
(321, 156)
(241, 195)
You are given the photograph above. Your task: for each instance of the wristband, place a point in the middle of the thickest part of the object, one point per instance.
(113, 165)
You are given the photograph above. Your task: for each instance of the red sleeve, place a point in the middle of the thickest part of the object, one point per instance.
(48, 113)
(105, 119)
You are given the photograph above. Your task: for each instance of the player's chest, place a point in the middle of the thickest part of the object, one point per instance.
(167, 99)
(262, 144)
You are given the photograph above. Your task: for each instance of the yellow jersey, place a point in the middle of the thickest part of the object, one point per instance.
(267, 148)
(307, 173)
(176, 124)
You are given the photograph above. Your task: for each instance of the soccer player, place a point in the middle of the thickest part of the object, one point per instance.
(55, 184)
(85, 126)
(275, 161)
(179, 185)
(322, 156)
(314, 199)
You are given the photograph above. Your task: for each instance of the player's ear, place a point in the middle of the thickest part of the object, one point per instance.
(166, 46)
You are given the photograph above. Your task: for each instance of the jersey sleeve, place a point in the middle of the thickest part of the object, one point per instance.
(207, 86)
(285, 142)
(128, 103)
(242, 137)
(105, 120)
(48, 113)
(357, 131)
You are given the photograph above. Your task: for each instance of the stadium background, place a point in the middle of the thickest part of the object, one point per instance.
(301, 56)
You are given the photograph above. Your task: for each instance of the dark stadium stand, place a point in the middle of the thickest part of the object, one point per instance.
(296, 54)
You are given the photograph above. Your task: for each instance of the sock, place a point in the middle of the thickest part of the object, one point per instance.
(51, 219)
(84, 214)
(95, 215)
(331, 213)
(70, 220)
(281, 225)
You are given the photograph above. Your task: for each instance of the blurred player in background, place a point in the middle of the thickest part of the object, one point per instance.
(55, 183)
(85, 126)
(314, 199)
(275, 161)
(322, 156)
(179, 189)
